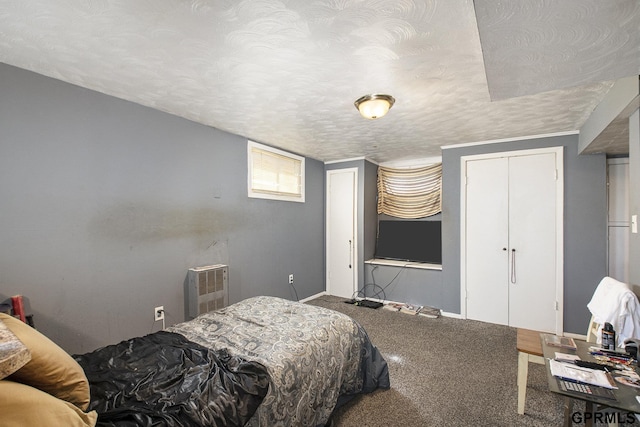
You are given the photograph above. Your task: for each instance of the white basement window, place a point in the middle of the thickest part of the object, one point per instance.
(275, 174)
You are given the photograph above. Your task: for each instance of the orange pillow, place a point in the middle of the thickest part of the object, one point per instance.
(50, 369)
(25, 406)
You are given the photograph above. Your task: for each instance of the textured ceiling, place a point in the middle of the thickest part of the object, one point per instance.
(286, 73)
(537, 46)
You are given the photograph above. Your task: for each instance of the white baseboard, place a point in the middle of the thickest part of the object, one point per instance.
(452, 315)
(313, 296)
(442, 313)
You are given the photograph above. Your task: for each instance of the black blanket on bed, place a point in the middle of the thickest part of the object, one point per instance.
(163, 379)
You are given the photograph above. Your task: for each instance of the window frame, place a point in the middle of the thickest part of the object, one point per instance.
(273, 195)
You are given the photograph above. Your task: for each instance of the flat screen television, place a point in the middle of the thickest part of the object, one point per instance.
(416, 241)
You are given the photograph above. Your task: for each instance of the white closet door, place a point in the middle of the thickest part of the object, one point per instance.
(512, 239)
(532, 242)
(487, 240)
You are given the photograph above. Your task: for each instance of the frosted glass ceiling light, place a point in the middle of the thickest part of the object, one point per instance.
(374, 106)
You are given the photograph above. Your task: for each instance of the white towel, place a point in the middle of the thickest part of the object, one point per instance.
(614, 302)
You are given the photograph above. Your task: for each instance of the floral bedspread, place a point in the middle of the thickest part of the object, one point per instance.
(313, 355)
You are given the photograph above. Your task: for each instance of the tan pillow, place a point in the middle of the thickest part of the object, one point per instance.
(25, 406)
(13, 354)
(51, 369)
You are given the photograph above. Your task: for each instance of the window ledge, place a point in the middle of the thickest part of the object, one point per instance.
(407, 264)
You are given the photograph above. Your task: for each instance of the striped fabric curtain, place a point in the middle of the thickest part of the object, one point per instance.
(410, 193)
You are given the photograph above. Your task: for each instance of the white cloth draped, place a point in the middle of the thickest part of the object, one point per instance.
(614, 302)
(410, 192)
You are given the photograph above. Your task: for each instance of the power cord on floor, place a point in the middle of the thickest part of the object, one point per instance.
(363, 294)
(374, 285)
(294, 291)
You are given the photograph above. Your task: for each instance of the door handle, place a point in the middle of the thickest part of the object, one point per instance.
(513, 266)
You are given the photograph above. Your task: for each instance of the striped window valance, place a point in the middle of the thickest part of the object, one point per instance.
(410, 193)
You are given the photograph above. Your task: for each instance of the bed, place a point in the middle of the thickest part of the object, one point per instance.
(264, 361)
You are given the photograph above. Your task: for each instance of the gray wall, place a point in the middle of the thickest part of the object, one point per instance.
(585, 231)
(370, 209)
(105, 204)
(634, 195)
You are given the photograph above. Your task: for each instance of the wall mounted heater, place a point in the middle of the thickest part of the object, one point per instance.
(207, 288)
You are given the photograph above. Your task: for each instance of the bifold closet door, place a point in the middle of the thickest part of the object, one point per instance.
(487, 237)
(511, 246)
(532, 242)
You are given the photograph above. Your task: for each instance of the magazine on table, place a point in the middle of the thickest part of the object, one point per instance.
(572, 372)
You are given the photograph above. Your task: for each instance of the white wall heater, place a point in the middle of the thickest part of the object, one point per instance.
(207, 289)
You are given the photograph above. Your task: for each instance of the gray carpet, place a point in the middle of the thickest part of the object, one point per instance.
(445, 372)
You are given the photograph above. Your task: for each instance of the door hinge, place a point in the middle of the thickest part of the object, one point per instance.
(557, 306)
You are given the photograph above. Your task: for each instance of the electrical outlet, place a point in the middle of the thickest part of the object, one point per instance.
(158, 313)
(291, 279)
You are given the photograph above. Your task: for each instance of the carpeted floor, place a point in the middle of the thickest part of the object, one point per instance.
(445, 372)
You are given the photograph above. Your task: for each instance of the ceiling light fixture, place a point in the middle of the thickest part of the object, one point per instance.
(374, 106)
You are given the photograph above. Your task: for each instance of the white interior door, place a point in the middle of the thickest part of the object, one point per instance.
(341, 274)
(532, 242)
(487, 240)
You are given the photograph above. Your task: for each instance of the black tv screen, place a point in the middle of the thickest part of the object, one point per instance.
(418, 241)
